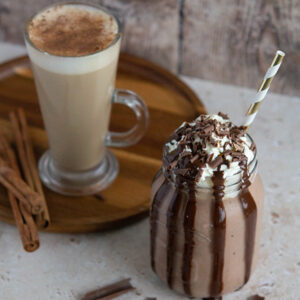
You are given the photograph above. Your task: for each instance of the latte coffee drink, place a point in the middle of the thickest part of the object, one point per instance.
(207, 206)
(74, 50)
(75, 94)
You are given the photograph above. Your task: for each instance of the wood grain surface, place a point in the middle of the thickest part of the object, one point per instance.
(229, 41)
(170, 103)
(234, 41)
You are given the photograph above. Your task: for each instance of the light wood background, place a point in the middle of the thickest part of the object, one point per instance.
(230, 41)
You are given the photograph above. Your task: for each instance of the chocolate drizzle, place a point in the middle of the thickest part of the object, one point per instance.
(219, 230)
(250, 213)
(157, 201)
(172, 216)
(158, 174)
(188, 225)
(185, 196)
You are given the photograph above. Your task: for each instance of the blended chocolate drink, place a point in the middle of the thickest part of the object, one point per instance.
(207, 206)
(75, 82)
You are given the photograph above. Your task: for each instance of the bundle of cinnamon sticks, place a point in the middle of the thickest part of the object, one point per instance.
(24, 188)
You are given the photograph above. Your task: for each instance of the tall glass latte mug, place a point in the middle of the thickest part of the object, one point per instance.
(76, 93)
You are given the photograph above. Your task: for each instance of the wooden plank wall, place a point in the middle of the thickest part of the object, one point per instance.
(230, 41)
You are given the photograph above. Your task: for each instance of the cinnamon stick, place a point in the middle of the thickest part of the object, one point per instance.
(24, 220)
(110, 291)
(14, 183)
(28, 162)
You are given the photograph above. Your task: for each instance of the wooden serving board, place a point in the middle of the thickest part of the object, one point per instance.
(170, 102)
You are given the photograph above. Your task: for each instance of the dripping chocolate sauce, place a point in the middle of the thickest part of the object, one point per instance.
(172, 216)
(158, 174)
(157, 201)
(250, 213)
(188, 226)
(219, 231)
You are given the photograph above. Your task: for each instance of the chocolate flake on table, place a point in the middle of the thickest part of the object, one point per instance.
(190, 157)
(255, 297)
(110, 291)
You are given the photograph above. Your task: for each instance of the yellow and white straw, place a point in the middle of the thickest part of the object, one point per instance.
(264, 87)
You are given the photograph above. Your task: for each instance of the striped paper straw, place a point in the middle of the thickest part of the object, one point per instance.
(264, 87)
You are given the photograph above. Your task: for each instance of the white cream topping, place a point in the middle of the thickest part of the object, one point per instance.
(231, 174)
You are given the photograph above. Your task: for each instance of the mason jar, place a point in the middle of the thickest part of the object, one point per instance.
(202, 247)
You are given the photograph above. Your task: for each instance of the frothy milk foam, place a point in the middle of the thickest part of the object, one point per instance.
(74, 91)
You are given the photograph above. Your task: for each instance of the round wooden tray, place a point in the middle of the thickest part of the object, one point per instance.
(170, 103)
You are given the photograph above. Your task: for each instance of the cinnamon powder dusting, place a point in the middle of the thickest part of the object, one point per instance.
(72, 31)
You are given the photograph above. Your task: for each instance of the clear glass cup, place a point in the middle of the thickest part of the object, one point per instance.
(75, 95)
(187, 250)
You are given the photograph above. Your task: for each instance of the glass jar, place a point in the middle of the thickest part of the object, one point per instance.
(203, 245)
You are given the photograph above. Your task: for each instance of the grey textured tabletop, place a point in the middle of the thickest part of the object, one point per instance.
(67, 266)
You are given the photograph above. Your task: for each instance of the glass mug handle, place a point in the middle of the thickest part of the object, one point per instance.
(132, 136)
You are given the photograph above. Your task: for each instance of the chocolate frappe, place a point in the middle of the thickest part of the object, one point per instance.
(207, 205)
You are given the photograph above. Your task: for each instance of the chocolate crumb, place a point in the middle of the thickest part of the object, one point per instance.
(185, 153)
(223, 133)
(238, 146)
(210, 157)
(224, 116)
(237, 154)
(255, 297)
(208, 129)
(173, 164)
(195, 147)
(253, 146)
(182, 172)
(194, 158)
(216, 162)
(275, 215)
